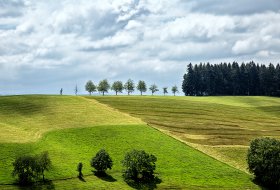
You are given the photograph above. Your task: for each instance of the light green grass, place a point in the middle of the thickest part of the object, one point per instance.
(178, 165)
(207, 122)
(27, 118)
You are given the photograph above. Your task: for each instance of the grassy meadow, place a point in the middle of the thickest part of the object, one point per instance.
(218, 126)
(73, 129)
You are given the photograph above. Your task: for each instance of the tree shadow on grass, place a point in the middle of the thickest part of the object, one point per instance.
(147, 185)
(46, 185)
(265, 187)
(104, 176)
(81, 178)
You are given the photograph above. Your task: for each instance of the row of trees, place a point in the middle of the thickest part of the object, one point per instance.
(232, 79)
(129, 86)
(138, 166)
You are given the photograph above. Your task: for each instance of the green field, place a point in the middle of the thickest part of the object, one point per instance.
(219, 126)
(73, 129)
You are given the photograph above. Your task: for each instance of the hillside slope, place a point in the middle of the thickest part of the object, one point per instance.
(219, 126)
(26, 118)
(72, 129)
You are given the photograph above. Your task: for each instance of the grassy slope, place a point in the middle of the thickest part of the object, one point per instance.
(178, 166)
(219, 126)
(26, 118)
(97, 126)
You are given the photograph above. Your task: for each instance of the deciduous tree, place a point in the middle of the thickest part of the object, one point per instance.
(101, 161)
(90, 87)
(141, 86)
(164, 90)
(153, 88)
(129, 86)
(174, 89)
(117, 86)
(103, 86)
(139, 166)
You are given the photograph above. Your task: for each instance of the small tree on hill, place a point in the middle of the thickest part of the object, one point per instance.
(90, 87)
(117, 87)
(101, 162)
(79, 169)
(129, 86)
(25, 169)
(141, 86)
(153, 88)
(103, 86)
(264, 161)
(139, 166)
(164, 90)
(76, 90)
(31, 168)
(43, 163)
(174, 89)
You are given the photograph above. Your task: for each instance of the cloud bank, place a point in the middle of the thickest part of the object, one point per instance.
(46, 45)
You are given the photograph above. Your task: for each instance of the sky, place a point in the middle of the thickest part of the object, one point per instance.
(48, 45)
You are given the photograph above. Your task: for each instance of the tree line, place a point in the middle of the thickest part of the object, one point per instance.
(138, 165)
(129, 86)
(232, 79)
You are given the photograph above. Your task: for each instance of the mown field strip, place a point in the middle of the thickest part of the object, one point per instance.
(218, 126)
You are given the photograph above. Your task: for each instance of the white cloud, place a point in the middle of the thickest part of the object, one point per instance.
(72, 41)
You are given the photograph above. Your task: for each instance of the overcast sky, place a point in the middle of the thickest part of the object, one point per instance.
(48, 45)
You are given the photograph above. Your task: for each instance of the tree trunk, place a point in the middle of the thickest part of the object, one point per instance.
(141, 93)
(103, 93)
(116, 93)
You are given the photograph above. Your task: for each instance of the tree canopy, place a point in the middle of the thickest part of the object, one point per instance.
(117, 86)
(264, 161)
(232, 79)
(174, 89)
(90, 87)
(103, 86)
(153, 88)
(129, 86)
(139, 166)
(141, 86)
(164, 89)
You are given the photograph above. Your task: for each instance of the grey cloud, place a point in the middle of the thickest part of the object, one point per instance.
(11, 8)
(63, 43)
(236, 7)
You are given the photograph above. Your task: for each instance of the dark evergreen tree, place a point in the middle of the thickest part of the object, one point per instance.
(232, 79)
(189, 81)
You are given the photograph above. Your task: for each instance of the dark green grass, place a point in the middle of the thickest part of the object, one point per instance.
(178, 165)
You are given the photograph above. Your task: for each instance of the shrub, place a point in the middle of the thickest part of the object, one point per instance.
(43, 163)
(79, 169)
(139, 166)
(264, 160)
(102, 161)
(25, 169)
(30, 168)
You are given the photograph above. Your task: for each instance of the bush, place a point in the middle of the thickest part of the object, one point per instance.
(264, 160)
(139, 166)
(25, 169)
(30, 168)
(102, 161)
